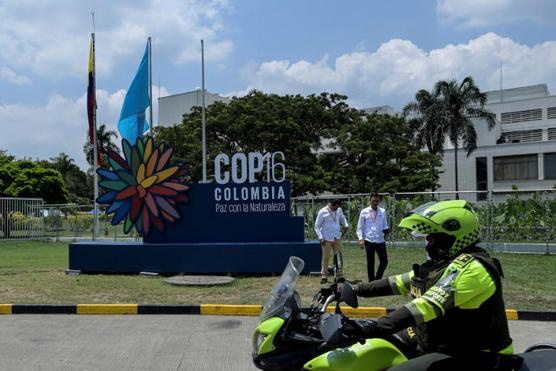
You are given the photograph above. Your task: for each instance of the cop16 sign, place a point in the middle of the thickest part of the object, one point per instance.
(250, 167)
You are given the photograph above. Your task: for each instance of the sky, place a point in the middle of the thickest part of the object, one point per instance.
(375, 52)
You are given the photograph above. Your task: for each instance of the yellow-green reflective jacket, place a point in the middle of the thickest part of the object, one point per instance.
(457, 305)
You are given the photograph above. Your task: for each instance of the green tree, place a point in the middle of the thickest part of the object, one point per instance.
(28, 179)
(377, 154)
(262, 122)
(5, 157)
(75, 179)
(458, 103)
(424, 117)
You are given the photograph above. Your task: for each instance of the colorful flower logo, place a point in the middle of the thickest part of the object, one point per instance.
(144, 187)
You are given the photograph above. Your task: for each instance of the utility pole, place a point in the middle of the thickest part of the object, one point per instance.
(203, 119)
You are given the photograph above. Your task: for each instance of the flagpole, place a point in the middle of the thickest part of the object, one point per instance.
(203, 121)
(95, 144)
(150, 89)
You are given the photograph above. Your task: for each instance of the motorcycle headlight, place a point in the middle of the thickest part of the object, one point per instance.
(258, 339)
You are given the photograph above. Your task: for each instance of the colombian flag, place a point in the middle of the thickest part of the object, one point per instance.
(92, 99)
(91, 93)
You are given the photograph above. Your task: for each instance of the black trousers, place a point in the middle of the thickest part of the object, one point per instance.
(482, 361)
(380, 249)
(406, 342)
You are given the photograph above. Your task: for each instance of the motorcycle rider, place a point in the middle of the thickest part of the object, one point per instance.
(457, 318)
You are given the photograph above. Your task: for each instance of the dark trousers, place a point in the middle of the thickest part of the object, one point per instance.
(380, 249)
(482, 361)
(406, 342)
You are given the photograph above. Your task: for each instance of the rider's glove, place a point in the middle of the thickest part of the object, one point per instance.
(361, 327)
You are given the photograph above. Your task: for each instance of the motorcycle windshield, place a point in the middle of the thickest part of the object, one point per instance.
(283, 289)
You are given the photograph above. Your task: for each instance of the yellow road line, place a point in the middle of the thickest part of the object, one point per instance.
(106, 308)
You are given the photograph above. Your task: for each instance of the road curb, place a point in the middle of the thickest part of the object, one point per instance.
(216, 309)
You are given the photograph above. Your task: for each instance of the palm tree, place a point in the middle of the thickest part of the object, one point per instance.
(74, 178)
(457, 105)
(447, 111)
(63, 163)
(424, 118)
(105, 143)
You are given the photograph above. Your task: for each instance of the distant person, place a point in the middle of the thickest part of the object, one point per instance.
(372, 230)
(328, 227)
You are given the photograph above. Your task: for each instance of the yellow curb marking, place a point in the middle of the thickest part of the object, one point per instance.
(106, 308)
(228, 309)
(511, 314)
(233, 310)
(372, 312)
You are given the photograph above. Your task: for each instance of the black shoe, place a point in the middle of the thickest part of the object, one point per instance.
(323, 281)
(341, 280)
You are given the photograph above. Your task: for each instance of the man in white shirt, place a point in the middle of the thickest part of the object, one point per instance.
(372, 229)
(327, 228)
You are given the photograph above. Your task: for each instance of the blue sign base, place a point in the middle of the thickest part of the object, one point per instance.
(191, 258)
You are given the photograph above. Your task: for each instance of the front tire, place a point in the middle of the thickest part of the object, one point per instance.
(541, 346)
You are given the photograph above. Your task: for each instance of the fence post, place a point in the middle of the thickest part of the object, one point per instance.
(547, 225)
(490, 239)
(95, 225)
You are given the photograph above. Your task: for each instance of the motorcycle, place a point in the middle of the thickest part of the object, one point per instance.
(289, 337)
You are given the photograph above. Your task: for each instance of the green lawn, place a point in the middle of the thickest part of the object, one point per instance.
(33, 272)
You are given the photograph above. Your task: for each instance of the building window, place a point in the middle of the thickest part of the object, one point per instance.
(550, 166)
(481, 173)
(520, 116)
(551, 133)
(522, 136)
(523, 167)
(551, 112)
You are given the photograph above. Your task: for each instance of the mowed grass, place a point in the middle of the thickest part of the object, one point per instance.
(34, 273)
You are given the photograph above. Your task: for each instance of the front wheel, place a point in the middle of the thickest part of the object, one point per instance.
(541, 346)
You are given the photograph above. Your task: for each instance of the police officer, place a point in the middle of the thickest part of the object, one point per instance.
(457, 318)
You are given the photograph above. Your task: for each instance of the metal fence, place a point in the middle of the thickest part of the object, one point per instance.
(31, 219)
(20, 218)
(69, 221)
(506, 217)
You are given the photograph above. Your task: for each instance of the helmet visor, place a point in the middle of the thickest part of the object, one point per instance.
(416, 234)
(425, 209)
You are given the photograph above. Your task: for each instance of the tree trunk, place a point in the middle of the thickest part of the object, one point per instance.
(433, 178)
(456, 167)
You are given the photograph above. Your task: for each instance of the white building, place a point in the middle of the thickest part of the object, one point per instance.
(381, 110)
(520, 150)
(172, 107)
(326, 145)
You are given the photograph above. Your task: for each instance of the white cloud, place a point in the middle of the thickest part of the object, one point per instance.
(481, 13)
(398, 69)
(12, 77)
(51, 38)
(60, 125)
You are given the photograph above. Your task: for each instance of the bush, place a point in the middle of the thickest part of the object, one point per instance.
(514, 220)
(80, 221)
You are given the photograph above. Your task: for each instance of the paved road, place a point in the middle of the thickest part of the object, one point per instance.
(153, 342)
